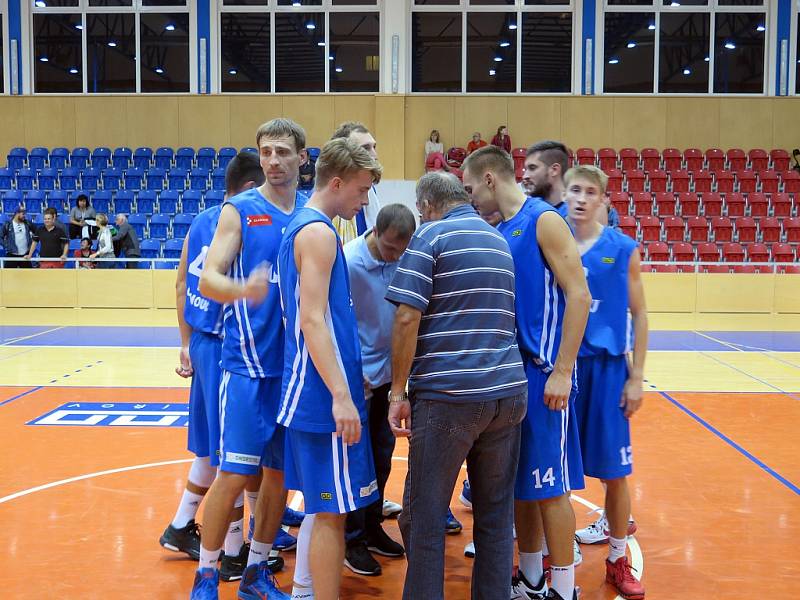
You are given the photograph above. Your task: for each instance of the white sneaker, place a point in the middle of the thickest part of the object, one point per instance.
(391, 509)
(598, 532)
(522, 589)
(577, 555)
(469, 550)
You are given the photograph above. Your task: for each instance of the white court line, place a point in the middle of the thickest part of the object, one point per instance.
(28, 337)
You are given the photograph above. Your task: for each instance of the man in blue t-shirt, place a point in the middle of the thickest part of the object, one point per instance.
(543, 177)
(552, 305)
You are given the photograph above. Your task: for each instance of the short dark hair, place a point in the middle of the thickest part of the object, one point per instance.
(550, 152)
(345, 129)
(82, 197)
(51, 211)
(397, 217)
(244, 167)
(87, 240)
(279, 128)
(490, 158)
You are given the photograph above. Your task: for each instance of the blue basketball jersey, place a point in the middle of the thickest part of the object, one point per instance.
(201, 313)
(253, 344)
(539, 302)
(606, 266)
(306, 402)
(561, 208)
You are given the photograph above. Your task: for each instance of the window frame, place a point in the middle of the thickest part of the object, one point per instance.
(575, 8)
(714, 8)
(6, 50)
(793, 87)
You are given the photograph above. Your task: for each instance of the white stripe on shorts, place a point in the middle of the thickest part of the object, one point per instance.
(347, 486)
(336, 480)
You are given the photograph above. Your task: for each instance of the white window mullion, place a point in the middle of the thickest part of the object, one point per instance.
(464, 15)
(519, 51)
(327, 61)
(656, 51)
(272, 62)
(138, 52)
(712, 32)
(84, 52)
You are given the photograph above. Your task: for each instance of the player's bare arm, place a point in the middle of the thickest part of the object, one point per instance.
(184, 368)
(632, 392)
(404, 345)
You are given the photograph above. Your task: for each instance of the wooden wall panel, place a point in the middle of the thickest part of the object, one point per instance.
(785, 124)
(247, 113)
(745, 123)
(787, 293)
(12, 125)
(164, 288)
(692, 123)
(114, 288)
(314, 113)
(533, 118)
(587, 125)
(389, 131)
(39, 288)
(49, 122)
(742, 293)
(204, 121)
(423, 114)
(670, 293)
(152, 121)
(353, 108)
(101, 121)
(639, 124)
(478, 113)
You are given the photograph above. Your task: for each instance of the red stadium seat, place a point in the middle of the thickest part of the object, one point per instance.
(758, 204)
(672, 159)
(658, 180)
(650, 227)
(781, 205)
(758, 253)
(658, 251)
(680, 181)
(698, 229)
(456, 156)
(702, 181)
(746, 229)
(651, 159)
(665, 204)
(585, 156)
(782, 253)
(519, 154)
(791, 182)
(694, 159)
(690, 204)
(664, 268)
(791, 227)
(735, 204)
(747, 181)
(642, 203)
(737, 159)
(745, 269)
(629, 158)
(636, 180)
(732, 252)
(780, 159)
(712, 204)
(715, 159)
(641, 251)
(682, 252)
(789, 269)
(674, 228)
(770, 228)
(722, 228)
(614, 180)
(759, 159)
(769, 181)
(627, 223)
(716, 268)
(620, 201)
(707, 252)
(607, 158)
(724, 181)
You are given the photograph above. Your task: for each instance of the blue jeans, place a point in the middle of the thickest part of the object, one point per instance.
(443, 435)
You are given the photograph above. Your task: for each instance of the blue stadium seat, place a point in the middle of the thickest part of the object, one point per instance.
(17, 158)
(121, 159)
(64, 219)
(101, 201)
(250, 149)
(159, 226)
(206, 157)
(154, 179)
(214, 198)
(198, 179)
(58, 199)
(168, 202)
(47, 179)
(6, 179)
(101, 158)
(90, 179)
(79, 157)
(74, 245)
(11, 200)
(25, 179)
(150, 249)
(138, 222)
(58, 158)
(180, 226)
(166, 265)
(146, 202)
(190, 202)
(123, 202)
(133, 179)
(173, 247)
(142, 157)
(313, 153)
(68, 180)
(218, 179)
(112, 179)
(35, 218)
(34, 202)
(225, 156)
(38, 158)
(164, 156)
(184, 158)
(177, 179)
(4, 218)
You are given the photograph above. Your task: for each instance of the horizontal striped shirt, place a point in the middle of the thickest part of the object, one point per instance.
(459, 273)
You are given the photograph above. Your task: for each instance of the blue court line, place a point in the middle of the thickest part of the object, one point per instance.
(30, 391)
(733, 444)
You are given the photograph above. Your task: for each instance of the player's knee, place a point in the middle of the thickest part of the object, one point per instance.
(616, 483)
(201, 473)
(272, 476)
(231, 482)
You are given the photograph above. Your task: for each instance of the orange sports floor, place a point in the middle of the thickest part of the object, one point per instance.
(715, 486)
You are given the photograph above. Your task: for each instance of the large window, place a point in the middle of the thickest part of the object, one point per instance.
(111, 46)
(492, 46)
(3, 24)
(684, 46)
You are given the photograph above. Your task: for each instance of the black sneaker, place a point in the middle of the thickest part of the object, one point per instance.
(358, 559)
(186, 539)
(232, 567)
(554, 595)
(380, 543)
(524, 590)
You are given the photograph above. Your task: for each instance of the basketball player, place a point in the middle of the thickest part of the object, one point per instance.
(545, 165)
(609, 389)
(551, 309)
(239, 272)
(200, 325)
(323, 405)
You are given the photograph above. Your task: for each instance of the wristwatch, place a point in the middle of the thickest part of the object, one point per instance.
(394, 398)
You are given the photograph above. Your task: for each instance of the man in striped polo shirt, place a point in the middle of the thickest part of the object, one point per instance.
(454, 342)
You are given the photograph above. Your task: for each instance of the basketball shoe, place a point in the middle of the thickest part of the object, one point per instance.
(259, 584)
(292, 518)
(620, 576)
(523, 589)
(391, 509)
(598, 532)
(186, 539)
(206, 582)
(465, 497)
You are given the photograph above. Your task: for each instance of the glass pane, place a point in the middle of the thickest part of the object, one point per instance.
(57, 53)
(165, 52)
(547, 52)
(355, 2)
(741, 2)
(797, 60)
(683, 53)
(299, 52)
(438, 2)
(244, 2)
(492, 2)
(545, 2)
(628, 64)
(110, 2)
(630, 2)
(2, 41)
(110, 52)
(53, 3)
(355, 48)
(436, 52)
(739, 53)
(299, 2)
(163, 2)
(685, 2)
(244, 48)
(491, 53)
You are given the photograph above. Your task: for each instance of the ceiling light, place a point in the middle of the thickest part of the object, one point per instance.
(112, 44)
(652, 26)
(73, 70)
(675, 3)
(159, 70)
(44, 59)
(40, 4)
(492, 72)
(79, 27)
(505, 44)
(170, 27)
(232, 72)
(498, 59)
(330, 57)
(310, 25)
(631, 44)
(321, 44)
(707, 59)
(761, 28)
(295, 3)
(730, 45)
(687, 71)
(512, 26)
(339, 69)
(613, 61)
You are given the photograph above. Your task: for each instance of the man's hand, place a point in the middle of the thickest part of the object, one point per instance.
(399, 414)
(63, 258)
(256, 285)
(348, 424)
(631, 399)
(184, 368)
(557, 390)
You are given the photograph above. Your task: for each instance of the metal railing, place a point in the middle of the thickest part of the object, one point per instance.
(72, 262)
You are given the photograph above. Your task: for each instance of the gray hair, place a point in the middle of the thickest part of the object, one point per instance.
(440, 190)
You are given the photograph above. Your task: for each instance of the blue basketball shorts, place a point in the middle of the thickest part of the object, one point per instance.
(550, 454)
(250, 437)
(204, 352)
(333, 477)
(605, 432)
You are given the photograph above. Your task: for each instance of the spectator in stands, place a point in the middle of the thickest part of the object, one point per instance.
(53, 240)
(105, 247)
(502, 139)
(543, 177)
(477, 142)
(78, 217)
(607, 215)
(83, 254)
(433, 144)
(17, 237)
(307, 173)
(126, 241)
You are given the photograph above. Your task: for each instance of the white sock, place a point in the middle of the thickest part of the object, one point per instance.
(234, 538)
(302, 566)
(562, 580)
(208, 558)
(252, 498)
(616, 548)
(302, 593)
(187, 509)
(545, 549)
(530, 563)
(259, 552)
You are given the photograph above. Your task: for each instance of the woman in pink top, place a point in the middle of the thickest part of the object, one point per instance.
(502, 139)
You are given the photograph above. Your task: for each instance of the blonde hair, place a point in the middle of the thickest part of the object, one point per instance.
(102, 219)
(343, 158)
(279, 128)
(590, 172)
(490, 158)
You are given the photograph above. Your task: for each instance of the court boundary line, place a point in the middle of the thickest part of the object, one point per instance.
(30, 391)
(750, 349)
(22, 338)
